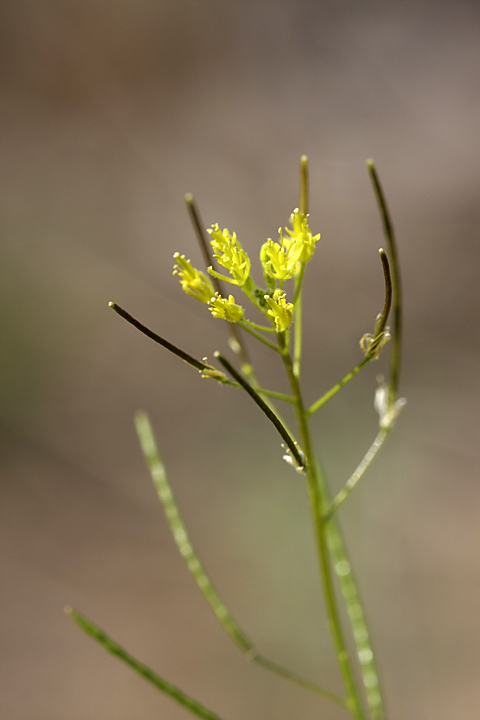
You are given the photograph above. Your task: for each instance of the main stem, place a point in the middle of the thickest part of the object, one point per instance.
(318, 501)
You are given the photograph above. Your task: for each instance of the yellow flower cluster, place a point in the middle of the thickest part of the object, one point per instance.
(301, 235)
(280, 260)
(230, 255)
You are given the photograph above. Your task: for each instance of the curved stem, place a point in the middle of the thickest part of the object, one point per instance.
(382, 323)
(396, 281)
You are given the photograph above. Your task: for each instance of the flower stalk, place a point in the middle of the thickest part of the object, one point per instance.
(282, 262)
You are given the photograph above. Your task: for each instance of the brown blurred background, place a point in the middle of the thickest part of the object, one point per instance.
(111, 111)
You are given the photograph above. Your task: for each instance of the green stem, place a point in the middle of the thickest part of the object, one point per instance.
(333, 391)
(297, 300)
(181, 537)
(112, 647)
(298, 285)
(259, 337)
(263, 328)
(359, 472)
(317, 494)
(276, 395)
(297, 337)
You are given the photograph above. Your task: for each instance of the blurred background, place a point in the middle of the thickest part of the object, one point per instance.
(111, 112)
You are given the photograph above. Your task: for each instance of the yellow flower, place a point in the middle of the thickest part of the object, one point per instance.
(301, 235)
(193, 282)
(280, 260)
(230, 254)
(225, 309)
(280, 310)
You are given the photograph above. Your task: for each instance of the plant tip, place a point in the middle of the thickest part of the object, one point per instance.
(111, 304)
(68, 610)
(370, 162)
(189, 198)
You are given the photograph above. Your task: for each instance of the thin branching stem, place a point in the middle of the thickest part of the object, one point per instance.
(275, 395)
(255, 326)
(257, 336)
(333, 391)
(317, 493)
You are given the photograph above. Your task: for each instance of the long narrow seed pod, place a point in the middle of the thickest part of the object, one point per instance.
(187, 551)
(112, 647)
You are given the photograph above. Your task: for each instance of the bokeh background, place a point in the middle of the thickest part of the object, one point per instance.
(111, 111)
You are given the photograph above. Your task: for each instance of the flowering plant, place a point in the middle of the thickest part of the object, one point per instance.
(279, 307)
